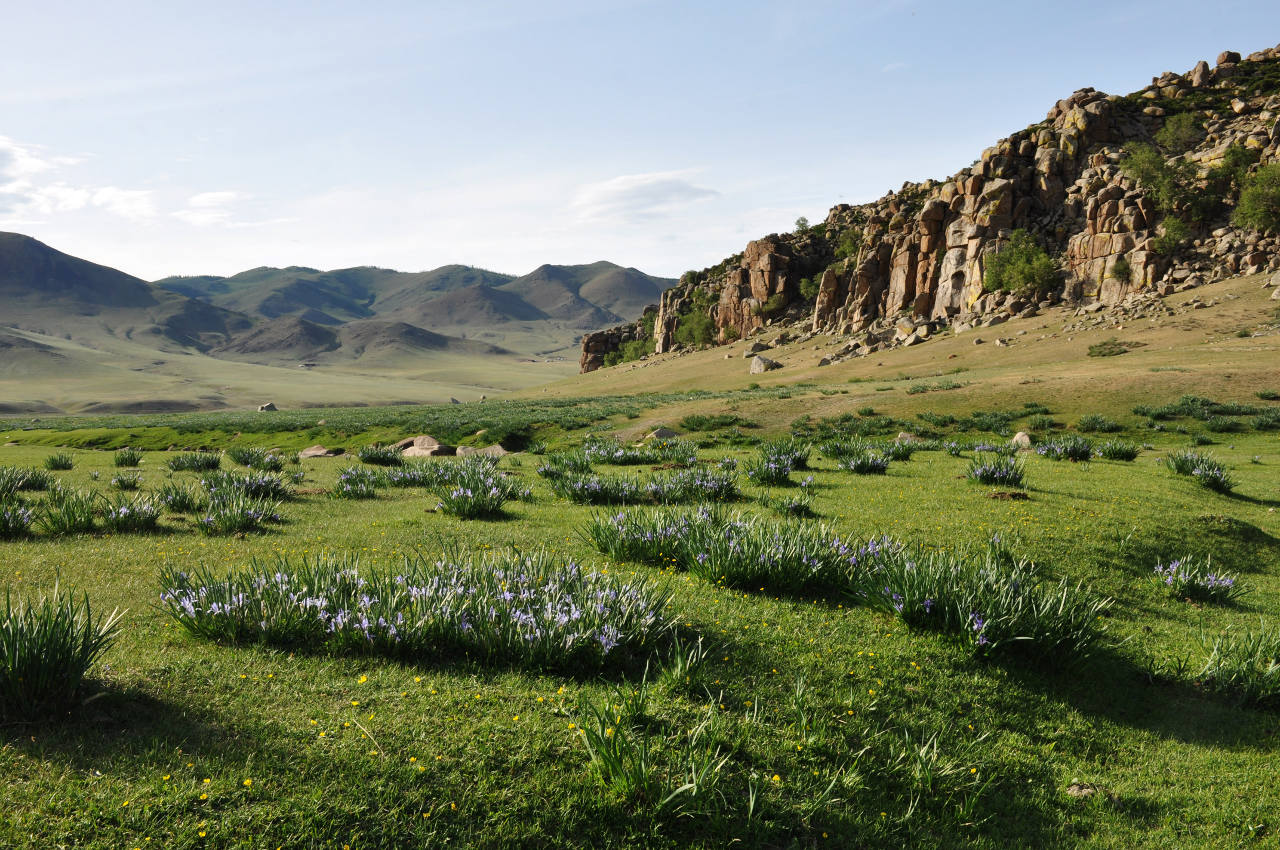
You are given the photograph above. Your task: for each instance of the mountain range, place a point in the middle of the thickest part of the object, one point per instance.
(61, 315)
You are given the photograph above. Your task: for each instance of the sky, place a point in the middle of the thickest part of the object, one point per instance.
(167, 138)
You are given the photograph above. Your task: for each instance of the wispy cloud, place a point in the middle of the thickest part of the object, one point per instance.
(209, 208)
(639, 196)
(893, 66)
(30, 185)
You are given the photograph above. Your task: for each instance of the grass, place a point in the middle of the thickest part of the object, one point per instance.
(769, 716)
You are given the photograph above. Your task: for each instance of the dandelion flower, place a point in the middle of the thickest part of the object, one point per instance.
(248, 783)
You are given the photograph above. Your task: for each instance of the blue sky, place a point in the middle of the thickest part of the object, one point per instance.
(176, 138)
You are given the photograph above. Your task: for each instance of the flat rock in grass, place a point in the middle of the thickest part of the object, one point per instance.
(438, 450)
(269, 406)
(907, 437)
(662, 434)
(422, 441)
(763, 364)
(495, 450)
(1021, 440)
(319, 451)
(1008, 495)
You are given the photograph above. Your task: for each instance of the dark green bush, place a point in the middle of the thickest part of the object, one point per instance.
(1259, 206)
(1021, 266)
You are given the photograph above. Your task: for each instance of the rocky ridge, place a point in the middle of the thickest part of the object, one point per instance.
(909, 265)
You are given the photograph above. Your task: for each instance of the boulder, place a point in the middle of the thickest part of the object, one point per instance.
(422, 441)
(1228, 57)
(492, 451)
(1021, 440)
(1274, 280)
(755, 348)
(1201, 75)
(763, 364)
(263, 408)
(318, 451)
(437, 450)
(1275, 294)
(906, 437)
(662, 434)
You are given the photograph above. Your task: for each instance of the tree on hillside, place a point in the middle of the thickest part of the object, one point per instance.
(1259, 207)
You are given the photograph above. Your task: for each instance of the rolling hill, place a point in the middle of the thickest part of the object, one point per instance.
(76, 335)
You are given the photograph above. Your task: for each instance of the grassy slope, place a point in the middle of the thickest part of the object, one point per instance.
(1175, 767)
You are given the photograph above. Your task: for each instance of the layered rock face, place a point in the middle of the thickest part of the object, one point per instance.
(598, 344)
(921, 252)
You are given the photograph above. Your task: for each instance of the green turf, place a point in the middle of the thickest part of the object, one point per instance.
(832, 725)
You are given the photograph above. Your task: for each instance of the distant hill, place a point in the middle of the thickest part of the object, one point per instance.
(574, 298)
(75, 334)
(45, 290)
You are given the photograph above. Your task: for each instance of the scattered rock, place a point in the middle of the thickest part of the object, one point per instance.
(453, 400)
(825, 361)
(1021, 439)
(1008, 495)
(492, 451)
(662, 434)
(763, 364)
(907, 437)
(263, 408)
(755, 348)
(319, 451)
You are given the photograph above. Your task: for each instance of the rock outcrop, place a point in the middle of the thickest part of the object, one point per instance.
(919, 254)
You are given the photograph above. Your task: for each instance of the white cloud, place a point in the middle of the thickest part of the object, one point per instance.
(28, 186)
(209, 208)
(132, 204)
(639, 196)
(893, 66)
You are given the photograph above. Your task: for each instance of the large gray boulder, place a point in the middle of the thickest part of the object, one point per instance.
(760, 365)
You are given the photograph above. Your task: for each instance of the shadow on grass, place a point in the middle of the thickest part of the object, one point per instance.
(1116, 688)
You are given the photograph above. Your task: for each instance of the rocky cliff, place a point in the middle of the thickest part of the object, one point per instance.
(916, 257)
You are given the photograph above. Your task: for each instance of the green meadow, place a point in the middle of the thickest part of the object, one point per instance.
(804, 710)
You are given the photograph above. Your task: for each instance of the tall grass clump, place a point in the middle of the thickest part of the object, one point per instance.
(996, 470)
(381, 455)
(126, 458)
(68, 511)
(256, 485)
(255, 458)
(865, 463)
(178, 498)
(476, 490)
(231, 511)
(530, 610)
(993, 602)
(560, 464)
(126, 480)
(1118, 450)
(59, 461)
(787, 451)
(608, 450)
(899, 450)
(125, 515)
(1097, 423)
(195, 462)
(1070, 447)
(1208, 472)
(734, 549)
(355, 482)
(1188, 578)
(16, 519)
(1245, 667)
(46, 650)
(843, 447)
(767, 473)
